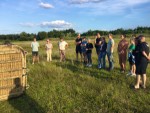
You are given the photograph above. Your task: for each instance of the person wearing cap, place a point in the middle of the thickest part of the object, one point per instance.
(142, 58)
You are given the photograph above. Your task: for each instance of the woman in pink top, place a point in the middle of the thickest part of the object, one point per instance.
(49, 48)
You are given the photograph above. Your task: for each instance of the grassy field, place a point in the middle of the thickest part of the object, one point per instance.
(69, 87)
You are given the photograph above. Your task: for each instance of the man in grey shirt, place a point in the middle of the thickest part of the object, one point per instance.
(110, 50)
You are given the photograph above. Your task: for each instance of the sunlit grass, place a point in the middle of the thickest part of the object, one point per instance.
(70, 87)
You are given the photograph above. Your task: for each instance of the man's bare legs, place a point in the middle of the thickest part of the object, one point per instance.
(33, 59)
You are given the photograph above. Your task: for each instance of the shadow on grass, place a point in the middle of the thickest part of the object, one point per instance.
(24, 103)
(93, 71)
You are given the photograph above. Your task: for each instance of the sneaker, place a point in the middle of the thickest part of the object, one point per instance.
(136, 87)
(122, 72)
(99, 67)
(143, 86)
(87, 65)
(129, 74)
(133, 74)
(32, 63)
(90, 65)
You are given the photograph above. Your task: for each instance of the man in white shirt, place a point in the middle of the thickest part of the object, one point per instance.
(35, 54)
(62, 46)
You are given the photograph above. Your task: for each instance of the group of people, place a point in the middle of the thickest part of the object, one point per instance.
(137, 54)
(48, 46)
(138, 57)
(84, 48)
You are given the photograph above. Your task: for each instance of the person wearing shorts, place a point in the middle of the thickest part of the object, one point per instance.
(122, 52)
(131, 57)
(78, 42)
(62, 47)
(142, 63)
(35, 54)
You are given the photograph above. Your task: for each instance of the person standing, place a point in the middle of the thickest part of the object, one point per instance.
(142, 62)
(98, 41)
(131, 57)
(49, 48)
(62, 47)
(110, 50)
(89, 47)
(102, 55)
(122, 52)
(78, 42)
(83, 48)
(35, 54)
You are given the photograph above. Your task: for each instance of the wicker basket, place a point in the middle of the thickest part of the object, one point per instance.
(13, 79)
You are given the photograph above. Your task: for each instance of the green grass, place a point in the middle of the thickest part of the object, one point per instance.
(69, 87)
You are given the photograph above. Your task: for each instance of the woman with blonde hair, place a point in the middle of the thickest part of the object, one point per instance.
(49, 48)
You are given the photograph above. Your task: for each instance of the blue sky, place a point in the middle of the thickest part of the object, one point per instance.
(33, 16)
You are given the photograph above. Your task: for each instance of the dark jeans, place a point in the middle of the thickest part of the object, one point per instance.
(102, 59)
(110, 60)
(97, 50)
(89, 58)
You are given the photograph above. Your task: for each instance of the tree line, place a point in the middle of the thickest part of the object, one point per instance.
(70, 33)
(138, 30)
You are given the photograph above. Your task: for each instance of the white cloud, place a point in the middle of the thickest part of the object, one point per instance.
(84, 1)
(58, 24)
(135, 2)
(46, 5)
(104, 7)
(28, 24)
(129, 2)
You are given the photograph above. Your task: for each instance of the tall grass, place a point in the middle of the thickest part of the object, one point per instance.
(69, 87)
